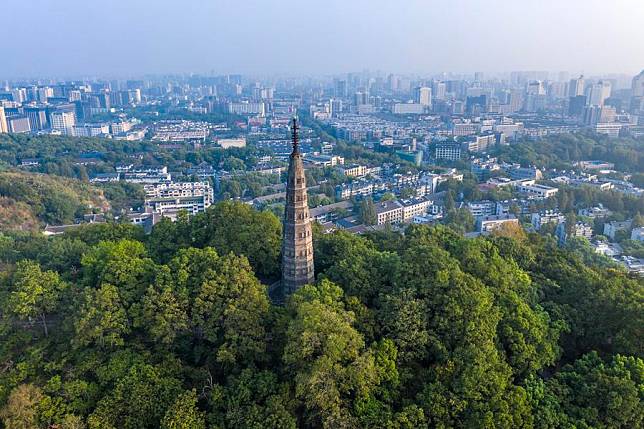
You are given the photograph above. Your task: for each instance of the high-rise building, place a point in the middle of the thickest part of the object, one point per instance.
(637, 100)
(37, 117)
(576, 87)
(535, 87)
(335, 106)
(598, 93)
(18, 124)
(638, 85)
(340, 88)
(297, 241)
(592, 114)
(439, 89)
(63, 121)
(360, 98)
(3, 121)
(19, 95)
(576, 105)
(423, 96)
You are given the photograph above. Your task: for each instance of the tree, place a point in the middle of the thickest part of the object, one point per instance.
(407, 193)
(21, 409)
(326, 355)
(236, 227)
(387, 196)
(229, 310)
(253, 399)
(71, 421)
(460, 219)
(597, 394)
(164, 309)
(102, 319)
(184, 414)
(35, 293)
(367, 213)
(140, 400)
(123, 264)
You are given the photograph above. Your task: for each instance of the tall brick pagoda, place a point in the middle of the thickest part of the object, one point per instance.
(297, 241)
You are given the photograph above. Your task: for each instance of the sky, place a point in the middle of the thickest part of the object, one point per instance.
(127, 38)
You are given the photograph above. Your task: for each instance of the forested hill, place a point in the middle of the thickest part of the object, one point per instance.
(561, 151)
(29, 201)
(107, 328)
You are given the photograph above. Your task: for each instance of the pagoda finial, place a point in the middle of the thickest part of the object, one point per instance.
(294, 136)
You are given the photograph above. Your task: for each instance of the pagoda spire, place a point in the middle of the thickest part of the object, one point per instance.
(294, 138)
(297, 240)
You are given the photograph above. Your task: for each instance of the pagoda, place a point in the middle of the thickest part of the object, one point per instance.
(297, 240)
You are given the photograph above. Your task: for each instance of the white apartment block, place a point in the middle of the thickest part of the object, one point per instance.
(354, 170)
(541, 219)
(63, 121)
(415, 207)
(389, 212)
(179, 189)
(540, 191)
(488, 224)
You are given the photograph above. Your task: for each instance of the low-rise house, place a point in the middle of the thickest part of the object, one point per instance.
(637, 234)
(543, 218)
(330, 212)
(481, 208)
(610, 228)
(105, 177)
(608, 249)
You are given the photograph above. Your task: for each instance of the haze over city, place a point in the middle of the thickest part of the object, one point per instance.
(72, 38)
(285, 214)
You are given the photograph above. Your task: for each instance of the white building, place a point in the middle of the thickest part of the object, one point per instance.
(389, 212)
(407, 109)
(544, 218)
(415, 207)
(490, 223)
(90, 130)
(540, 191)
(481, 208)
(423, 96)
(611, 228)
(637, 234)
(228, 143)
(148, 175)
(611, 129)
(246, 108)
(63, 121)
(449, 151)
(178, 189)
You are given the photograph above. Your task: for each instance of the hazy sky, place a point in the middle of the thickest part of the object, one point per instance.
(64, 38)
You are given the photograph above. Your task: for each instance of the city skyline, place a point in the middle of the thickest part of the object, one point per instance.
(76, 39)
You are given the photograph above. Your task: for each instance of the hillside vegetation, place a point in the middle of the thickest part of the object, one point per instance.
(107, 328)
(28, 201)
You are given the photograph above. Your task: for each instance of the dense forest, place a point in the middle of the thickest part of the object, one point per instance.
(105, 327)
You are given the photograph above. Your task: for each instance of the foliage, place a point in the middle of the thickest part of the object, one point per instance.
(25, 197)
(561, 151)
(415, 330)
